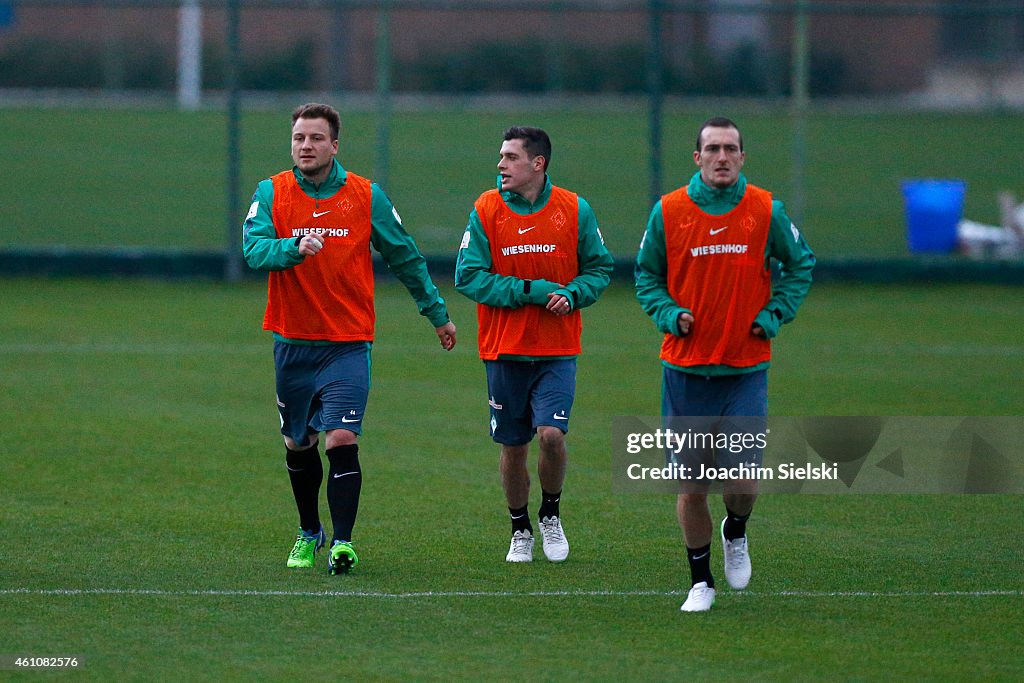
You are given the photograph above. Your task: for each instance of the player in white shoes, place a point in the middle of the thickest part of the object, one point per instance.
(532, 257)
(704, 275)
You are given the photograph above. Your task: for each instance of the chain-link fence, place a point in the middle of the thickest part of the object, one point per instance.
(943, 53)
(817, 82)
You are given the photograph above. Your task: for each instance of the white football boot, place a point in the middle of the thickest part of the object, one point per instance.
(521, 547)
(737, 561)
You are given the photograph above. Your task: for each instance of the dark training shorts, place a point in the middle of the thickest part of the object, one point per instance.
(321, 388)
(718, 422)
(524, 395)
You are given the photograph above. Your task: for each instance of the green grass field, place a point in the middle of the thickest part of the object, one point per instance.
(155, 179)
(147, 515)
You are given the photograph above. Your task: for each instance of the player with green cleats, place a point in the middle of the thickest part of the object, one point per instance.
(342, 558)
(303, 553)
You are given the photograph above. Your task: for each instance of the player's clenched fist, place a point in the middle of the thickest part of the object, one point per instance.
(310, 245)
(446, 334)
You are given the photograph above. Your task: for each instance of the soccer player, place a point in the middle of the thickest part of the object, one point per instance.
(312, 227)
(531, 257)
(703, 274)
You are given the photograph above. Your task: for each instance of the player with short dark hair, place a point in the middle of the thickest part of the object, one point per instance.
(532, 256)
(312, 227)
(717, 122)
(703, 273)
(317, 110)
(535, 141)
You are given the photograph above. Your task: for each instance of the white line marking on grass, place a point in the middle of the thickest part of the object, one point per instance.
(328, 594)
(498, 594)
(889, 594)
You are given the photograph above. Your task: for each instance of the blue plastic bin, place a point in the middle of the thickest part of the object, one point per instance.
(934, 208)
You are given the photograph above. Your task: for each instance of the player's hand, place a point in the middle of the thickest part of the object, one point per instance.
(559, 304)
(446, 334)
(312, 244)
(684, 322)
(758, 331)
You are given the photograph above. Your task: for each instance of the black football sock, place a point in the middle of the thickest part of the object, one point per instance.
(520, 519)
(735, 525)
(700, 565)
(306, 472)
(549, 504)
(343, 486)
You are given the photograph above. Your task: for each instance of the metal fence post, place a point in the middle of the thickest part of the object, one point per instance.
(232, 254)
(190, 55)
(654, 97)
(383, 78)
(800, 78)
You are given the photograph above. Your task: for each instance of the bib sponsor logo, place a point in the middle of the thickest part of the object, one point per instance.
(710, 249)
(327, 232)
(529, 249)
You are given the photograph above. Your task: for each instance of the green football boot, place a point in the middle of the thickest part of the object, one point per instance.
(303, 553)
(342, 558)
